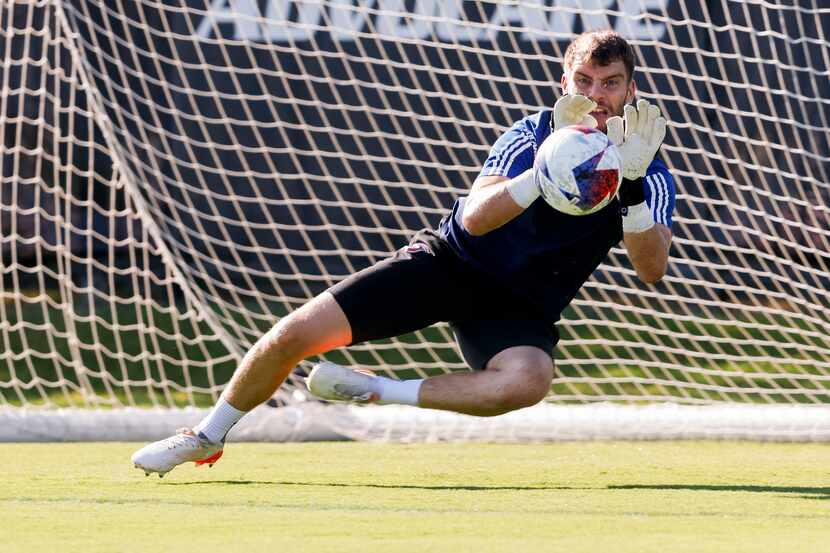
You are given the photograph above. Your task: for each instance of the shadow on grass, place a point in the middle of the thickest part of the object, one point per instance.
(380, 486)
(807, 492)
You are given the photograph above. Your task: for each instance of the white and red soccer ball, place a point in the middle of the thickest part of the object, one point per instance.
(578, 170)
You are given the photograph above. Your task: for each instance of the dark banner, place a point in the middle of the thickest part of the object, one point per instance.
(258, 131)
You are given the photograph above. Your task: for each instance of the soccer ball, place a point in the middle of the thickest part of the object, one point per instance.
(578, 170)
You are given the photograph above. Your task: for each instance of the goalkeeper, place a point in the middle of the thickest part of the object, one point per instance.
(500, 269)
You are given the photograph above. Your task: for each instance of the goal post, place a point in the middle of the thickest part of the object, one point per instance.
(178, 176)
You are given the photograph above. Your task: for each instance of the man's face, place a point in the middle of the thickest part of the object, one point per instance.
(607, 85)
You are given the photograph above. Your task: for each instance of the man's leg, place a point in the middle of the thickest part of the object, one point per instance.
(384, 300)
(514, 378)
(510, 358)
(317, 327)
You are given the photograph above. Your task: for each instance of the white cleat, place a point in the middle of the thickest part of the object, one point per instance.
(164, 455)
(332, 382)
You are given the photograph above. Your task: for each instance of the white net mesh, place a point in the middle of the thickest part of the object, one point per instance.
(177, 176)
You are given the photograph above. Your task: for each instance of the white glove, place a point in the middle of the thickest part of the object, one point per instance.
(573, 109)
(645, 130)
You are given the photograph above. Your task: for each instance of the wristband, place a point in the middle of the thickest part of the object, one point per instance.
(523, 189)
(632, 191)
(636, 218)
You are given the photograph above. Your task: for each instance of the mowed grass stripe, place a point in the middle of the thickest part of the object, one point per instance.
(577, 497)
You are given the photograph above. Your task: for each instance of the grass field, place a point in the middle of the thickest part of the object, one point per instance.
(342, 497)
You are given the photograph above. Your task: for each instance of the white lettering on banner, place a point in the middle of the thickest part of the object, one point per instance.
(443, 19)
(308, 17)
(394, 21)
(346, 19)
(453, 27)
(633, 25)
(563, 21)
(250, 24)
(240, 14)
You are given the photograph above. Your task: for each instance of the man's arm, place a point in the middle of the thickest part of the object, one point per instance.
(495, 200)
(639, 137)
(649, 252)
(646, 241)
(489, 205)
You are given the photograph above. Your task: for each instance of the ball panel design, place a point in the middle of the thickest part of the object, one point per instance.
(578, 170)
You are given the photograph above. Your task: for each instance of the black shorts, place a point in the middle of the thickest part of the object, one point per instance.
(425, 283)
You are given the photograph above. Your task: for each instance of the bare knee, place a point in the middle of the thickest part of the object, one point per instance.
(288, 337)
(520, 385)
(283, 342)
(521, 394)
(318, 326)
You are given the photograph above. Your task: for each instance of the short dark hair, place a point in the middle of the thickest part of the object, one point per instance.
(601, 48)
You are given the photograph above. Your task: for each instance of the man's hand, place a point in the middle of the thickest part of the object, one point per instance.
(644, 132)
(573, 109)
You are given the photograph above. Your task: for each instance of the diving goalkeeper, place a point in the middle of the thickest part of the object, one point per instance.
(500, 269)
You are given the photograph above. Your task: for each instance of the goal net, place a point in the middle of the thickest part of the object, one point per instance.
(179, 175)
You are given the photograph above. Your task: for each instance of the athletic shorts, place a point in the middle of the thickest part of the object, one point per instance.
(425, 283)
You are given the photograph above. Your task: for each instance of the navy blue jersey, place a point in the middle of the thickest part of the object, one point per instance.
(544, 254)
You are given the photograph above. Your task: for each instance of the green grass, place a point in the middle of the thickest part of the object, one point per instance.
(572, 497)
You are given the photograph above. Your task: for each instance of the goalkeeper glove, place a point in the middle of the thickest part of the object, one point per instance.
(573, 109)
(568, 110)
(644, 133)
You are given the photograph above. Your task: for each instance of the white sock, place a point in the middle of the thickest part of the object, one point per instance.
(403, 392)
(219, 421)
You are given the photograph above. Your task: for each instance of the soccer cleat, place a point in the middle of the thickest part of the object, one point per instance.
(210, 460)
(164, 455)
(332, 382)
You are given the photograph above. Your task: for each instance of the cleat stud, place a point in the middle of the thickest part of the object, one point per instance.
(146, 474)
(161, 475)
